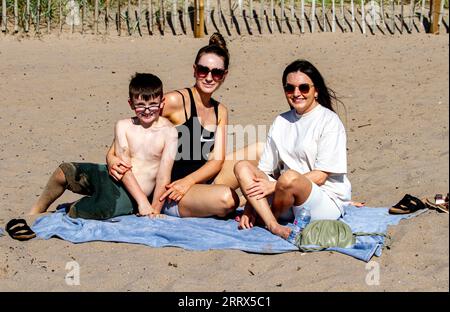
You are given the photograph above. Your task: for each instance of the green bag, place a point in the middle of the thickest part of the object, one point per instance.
(322, 234)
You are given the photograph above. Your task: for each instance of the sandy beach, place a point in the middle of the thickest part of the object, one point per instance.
(60, 98)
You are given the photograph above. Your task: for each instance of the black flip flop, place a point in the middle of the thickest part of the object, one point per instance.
(19, 229)
(408, 204)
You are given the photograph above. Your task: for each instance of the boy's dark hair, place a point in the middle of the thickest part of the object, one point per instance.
(145, 85)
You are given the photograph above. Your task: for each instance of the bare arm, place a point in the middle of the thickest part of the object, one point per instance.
(316, 176)
(177, 189)
(116, 166)
(129, 180)
(165, 168)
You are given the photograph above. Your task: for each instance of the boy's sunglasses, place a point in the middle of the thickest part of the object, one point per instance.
(304, 88)
(203, 71)
(140, 108)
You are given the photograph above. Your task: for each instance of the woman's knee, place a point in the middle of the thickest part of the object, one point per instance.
(229, 201)
(242, 167)
(290, 179)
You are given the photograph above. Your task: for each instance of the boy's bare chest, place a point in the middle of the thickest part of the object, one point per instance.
(147, 145)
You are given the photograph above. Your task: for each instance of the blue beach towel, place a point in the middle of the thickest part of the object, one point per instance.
(211, 233)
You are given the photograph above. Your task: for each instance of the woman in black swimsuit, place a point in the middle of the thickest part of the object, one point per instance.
(203, 182)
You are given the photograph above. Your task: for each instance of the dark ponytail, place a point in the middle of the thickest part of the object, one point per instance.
(217, 46)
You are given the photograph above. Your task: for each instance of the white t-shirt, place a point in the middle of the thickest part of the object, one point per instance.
(312, 141)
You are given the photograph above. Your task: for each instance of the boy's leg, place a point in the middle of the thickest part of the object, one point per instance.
(55, 187)
(107, 199)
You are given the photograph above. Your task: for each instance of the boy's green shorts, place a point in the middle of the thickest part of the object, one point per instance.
(105, 198)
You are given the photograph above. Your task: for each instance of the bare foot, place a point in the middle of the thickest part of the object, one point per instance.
(280, 230)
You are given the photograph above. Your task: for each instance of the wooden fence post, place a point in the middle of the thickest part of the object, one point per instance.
(96, 17)
(435, 7)
(162, 16)
(302, 17)
(271, 15)
(363, 17)
(344, 25)
(199, 21)
(38, 16)
(261, 18)
(402, 21)
(324, 16)
(393, 17)
(174, 15)
(4, 16)
(382, 13)
(372, 14)
(16, 16)
(333, 16)
(219, 12)
(422, 12)
(186, 19)
(250, 13)
(27, 16)
(150, 16)
(441, 15)
(107, 17)
(411, 16)
(83, 15)
(352, 9)
(313, 15)
(207, 12)
(119, 16)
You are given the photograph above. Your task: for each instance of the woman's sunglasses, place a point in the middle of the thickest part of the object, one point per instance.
(304, 88)
(203, 71)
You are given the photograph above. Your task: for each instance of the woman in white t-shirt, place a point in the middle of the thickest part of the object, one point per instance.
(304, 163)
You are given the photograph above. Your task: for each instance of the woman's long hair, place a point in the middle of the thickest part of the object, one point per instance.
(326, 96)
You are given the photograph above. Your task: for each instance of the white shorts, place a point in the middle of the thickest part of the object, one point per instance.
(170, 209)
(322, 207)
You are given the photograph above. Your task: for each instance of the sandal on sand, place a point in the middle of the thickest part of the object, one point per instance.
(408, 204)
(19, 229)
(440, 207)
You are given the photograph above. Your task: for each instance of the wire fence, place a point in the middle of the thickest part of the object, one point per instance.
(239, 17)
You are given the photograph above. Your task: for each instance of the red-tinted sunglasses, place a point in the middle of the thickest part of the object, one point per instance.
(304, 88)
(203, 71)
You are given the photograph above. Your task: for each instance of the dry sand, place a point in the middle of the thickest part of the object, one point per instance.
(60, 98)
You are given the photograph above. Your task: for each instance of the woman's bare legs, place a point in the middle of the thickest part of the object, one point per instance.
(245, 173)
(220, 198)
(251, 153)
(205, 200)
(292, 188)
(55, 187)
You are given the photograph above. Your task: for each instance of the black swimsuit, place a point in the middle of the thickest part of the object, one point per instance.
(194, 142)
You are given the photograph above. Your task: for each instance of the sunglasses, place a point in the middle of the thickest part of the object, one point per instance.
(304, 88)
(203, 71)
(141, 108)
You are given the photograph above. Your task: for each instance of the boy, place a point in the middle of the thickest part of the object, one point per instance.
(147, 141)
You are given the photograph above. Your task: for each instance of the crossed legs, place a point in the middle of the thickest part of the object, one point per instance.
(292, 188)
